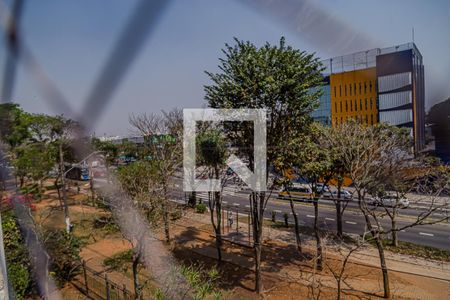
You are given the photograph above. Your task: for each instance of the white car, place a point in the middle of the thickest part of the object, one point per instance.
(390, 201)
(346, 195)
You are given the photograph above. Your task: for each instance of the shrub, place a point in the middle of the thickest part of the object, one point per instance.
(200, 208)
(17, 259)
(64, 252)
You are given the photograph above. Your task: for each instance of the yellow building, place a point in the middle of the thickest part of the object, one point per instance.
(354, 96)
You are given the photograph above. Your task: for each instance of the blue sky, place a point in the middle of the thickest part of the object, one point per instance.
(72, 40)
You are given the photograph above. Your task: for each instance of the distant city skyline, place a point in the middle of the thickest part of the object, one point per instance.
(72, 41)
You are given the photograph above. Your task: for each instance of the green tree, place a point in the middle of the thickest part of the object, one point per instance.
(13, 125)
(140, 181)
(277, 78)
(34, 160)
(313, 164)
(212, 154)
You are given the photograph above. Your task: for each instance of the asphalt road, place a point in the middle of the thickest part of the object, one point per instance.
(435, 235)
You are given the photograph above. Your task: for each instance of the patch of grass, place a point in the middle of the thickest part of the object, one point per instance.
(119, 260)
(106, 223)
(416, 250)
(203, 282)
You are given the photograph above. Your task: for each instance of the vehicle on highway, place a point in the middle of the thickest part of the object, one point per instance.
(322, 188)
(389, 200)
(346, 195)
(300, 192)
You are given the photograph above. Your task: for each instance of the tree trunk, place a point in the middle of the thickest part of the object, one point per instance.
(192, 200)
(378, 242)
(297, 230)
(317, 235)
(394, 233)
(338, 296)
(59, 193)
(258, 280)
(166, 221)
(218, 231)
(339, 212)
(63, 183)
(166, 213)
(257, 207)
(137, 289)
(384, 270)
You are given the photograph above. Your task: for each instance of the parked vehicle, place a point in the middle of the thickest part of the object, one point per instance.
(297, 192)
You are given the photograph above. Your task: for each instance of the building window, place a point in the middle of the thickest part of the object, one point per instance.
(335, 91)
(370, 86)
(365, 87)
(340, 91)
(342, 120)
(367, 119)
(360, 104)
(335, 107)
(366, 103)
(350, 86)
(341, 106)
(370, 103)
(356, 105)
(346, 106)
(345, 90)
(371, 119)
(360, 88)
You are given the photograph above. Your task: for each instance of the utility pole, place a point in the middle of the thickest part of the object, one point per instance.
(63, 182)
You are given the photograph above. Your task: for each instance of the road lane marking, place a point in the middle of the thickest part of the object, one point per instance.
(427, 234)
(309, 216)
(329, 219)
(277, 211)
(403, 230)
(350, 222)
(248, 206)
